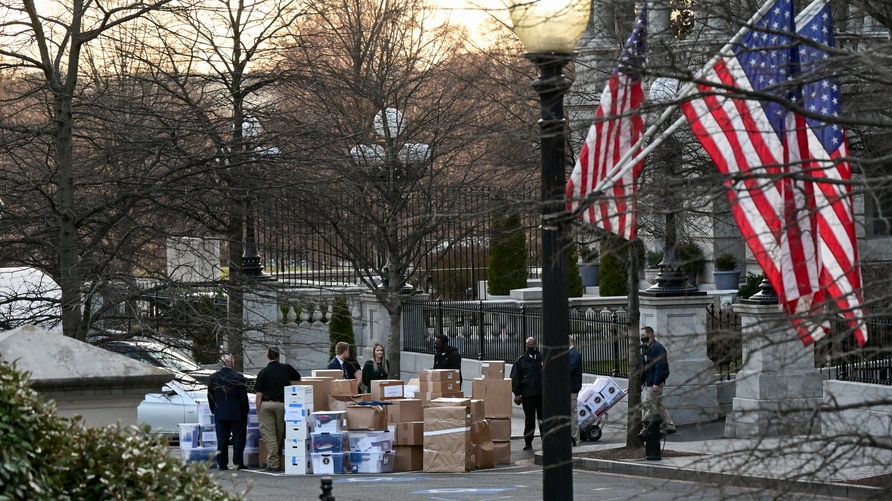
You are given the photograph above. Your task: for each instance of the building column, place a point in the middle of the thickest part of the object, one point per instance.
(778, 389)
(679, 323)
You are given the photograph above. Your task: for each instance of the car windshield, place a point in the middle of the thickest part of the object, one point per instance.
(175, 361)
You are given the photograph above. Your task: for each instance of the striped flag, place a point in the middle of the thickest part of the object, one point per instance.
(754, 142)
(617, 126)
(840, 274)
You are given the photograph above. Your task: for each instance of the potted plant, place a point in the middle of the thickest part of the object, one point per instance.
(726, 274)
(589, 266)
(690, 259)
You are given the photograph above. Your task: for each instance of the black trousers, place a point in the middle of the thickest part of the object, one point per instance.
(238, 431)
(532, 414)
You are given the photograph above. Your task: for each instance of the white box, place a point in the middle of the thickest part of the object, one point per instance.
(329, 421)
(371, 441)
(297, 429)
(608, 388)
(298, 394)
(297, 447)
(298, 412)
(297, 465)
(371, 462)
(205, 417)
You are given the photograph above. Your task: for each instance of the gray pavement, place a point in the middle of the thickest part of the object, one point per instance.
(794, 466)
(812, 465)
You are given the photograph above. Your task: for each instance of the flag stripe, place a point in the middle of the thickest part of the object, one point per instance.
(616, 127)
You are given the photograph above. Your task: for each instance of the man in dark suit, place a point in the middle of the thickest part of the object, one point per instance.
(526, 384)
(228, 400)
(341, 361)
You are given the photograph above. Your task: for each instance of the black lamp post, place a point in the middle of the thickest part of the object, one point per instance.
(549, 31)
(251, 261)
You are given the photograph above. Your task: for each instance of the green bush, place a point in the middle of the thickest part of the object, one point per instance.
(726, 262)
(751, 286)
(614, 267)
(46, 456)
(507, 256)
(340, 327)
(574, 279)
(690, 257)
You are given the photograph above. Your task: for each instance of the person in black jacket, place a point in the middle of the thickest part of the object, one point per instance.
(526, 384)
(228, 400)
(656, 370)
(446, 357)
(269, 391)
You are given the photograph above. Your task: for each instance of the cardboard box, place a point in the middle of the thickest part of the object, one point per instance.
(296, 465)
(321, 390)
(371, 462)
(406, 410)
(331, 373)
(484, 456)
(299, 394)
(371, 441)
(408, 457)
(341, 402)
(448, 375)
(480, 432)
(478, 410)
(298, 412)
(296, 447)
(386, 389)
(497, 395)
(330, 464)
(296, 430)
(427, 397)
(344, 387)
(447, 443)
(452, 402)
(329, 443)
(411, 433)
(440, 387)
(328, 421)
(366, 417)
(492, 369)
(501, 452)
(500, 429)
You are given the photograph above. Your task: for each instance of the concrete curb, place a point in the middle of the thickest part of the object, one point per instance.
(651, 469)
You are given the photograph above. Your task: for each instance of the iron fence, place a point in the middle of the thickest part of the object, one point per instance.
(497, 331)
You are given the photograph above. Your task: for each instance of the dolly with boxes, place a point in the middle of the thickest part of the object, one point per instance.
(592, 404)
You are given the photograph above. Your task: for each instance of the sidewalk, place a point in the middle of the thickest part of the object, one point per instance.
(789, 464)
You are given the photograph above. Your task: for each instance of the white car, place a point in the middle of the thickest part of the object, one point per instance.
(177, 403)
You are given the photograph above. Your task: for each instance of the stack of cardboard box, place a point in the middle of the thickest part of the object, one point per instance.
(447, 436)
(495, 390)
(481, 436)
(406, 418)
(596, 398)
(298, 409)
(438, 383)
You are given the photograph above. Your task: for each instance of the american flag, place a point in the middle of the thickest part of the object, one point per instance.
(741, 121)
(840, 274)
(617, 126)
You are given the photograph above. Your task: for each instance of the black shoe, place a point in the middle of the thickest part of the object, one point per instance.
(222, 468)
(271, 470)
(669, 431)
(574, 442)
(528, 447)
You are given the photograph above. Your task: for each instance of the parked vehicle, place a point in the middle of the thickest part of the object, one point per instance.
(176, 403)
(159, 355)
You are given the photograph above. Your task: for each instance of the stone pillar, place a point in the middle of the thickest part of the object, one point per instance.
(778, 389)
(679, 323)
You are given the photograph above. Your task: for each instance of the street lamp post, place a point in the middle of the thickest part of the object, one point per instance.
(252, 268)
(550, 30)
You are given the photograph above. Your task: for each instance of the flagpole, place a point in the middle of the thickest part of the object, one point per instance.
(626, 162)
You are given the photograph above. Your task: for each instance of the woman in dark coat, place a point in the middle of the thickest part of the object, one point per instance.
(376, 368)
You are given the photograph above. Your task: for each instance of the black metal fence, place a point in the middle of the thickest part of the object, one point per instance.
(493, 331)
